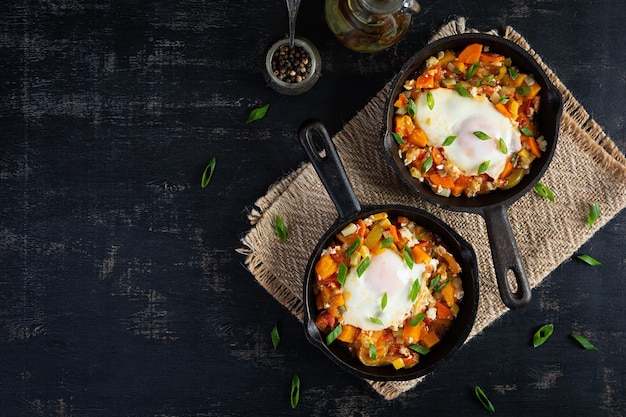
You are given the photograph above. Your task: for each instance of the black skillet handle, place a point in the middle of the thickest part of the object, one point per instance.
(506, 257)
(323, 155)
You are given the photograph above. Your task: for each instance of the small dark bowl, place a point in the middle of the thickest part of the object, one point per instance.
(492, 206)
(316, 142)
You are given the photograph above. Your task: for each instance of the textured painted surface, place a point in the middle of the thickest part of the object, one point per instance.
(121, 292)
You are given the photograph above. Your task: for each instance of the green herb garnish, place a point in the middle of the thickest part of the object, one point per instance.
(295, 390)
(416, 320)
(411, 108)
(449, 140)
(481, 135)
(512, 73)
(441, 286)
(385, 243)
(372, 351)
(430, 100)
(415, 289)
(362, 266)
(398, 138)
(376, 320)
(482, 397)
(434, 282)
(594, 214)
(461, 90)
(541, 335)
(408, 257)
(471, 71)
(383, 301)
(257, 113)
(502, 146)
(523, 90)
(355, 245)
(589, 259)
(504, 99)
(330, 337)
(483, 167)
(422, 350)
(584, 342)
(427, 164)
(342, 273)
(544, 191)
(280, 228)
(275, 336)
(208, 173)
(486, 80)
(526, 131)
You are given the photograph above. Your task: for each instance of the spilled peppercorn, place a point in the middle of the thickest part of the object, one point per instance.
(291, 65)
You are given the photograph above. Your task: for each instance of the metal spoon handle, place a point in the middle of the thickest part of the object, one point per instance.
(292, 10)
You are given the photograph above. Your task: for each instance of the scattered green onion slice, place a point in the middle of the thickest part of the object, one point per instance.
(295, 390)
(280, 228)
(594, 214)
(342, 273)
(257, 113)
(486, 80)
(523, 90)
(481, 135)
(416, 320)
(411, 108)
(448, 141)
(376, 320)
(362, 266)
(471, 71)
(512, 73)
(544, 191)
(504, 99)
(482, 397)
(427, 164)
(502, 146)
(483, 167)
(383, 301)
(330, 337)
(434, 282)
(526, 131)
(584, 342)
(415, 290)
(422, 350)
(462, 90)
(372, 351)
(541, 335)
(589, 259)
(208, 173)
(408, 257)
(275, 336)
(430, 100)
(441, 286)
(398, 138)
(385, 243)
(355, 245)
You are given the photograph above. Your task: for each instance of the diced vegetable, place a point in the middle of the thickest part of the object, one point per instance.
(470, 54)
(325, 267)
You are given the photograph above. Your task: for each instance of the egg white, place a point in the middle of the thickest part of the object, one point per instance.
(387, 273)
(454, 115)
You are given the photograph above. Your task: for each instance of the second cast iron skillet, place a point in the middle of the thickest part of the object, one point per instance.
(493, 206)
(328, 166)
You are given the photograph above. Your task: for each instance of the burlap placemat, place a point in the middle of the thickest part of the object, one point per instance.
(587, 168)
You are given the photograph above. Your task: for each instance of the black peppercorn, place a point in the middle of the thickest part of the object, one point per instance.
(291, 65)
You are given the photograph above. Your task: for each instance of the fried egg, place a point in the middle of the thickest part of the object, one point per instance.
(467, 118)
(387, 274)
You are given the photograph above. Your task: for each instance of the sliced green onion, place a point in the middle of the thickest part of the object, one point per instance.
(363, 266)
(257, 113)
(385, 243)
(355, 245)
(462, 91)
(430, 100)
(544, 191)
(280, 228)
(449, 140)
(372, 351)
(398, 138)
(411, 108)
(512, 73)
(415, 290)
(441, 286)
(541, 335)
(208, 173)
(295, 390)
(427, 164)
(502, 146)
(594, 214)
(482, 397)
(504, 99)
(422, 350)
(408, 257)
(417, 319)
(526, 131)
(275, 336)
(330, 337)
(471, 71)
(376, 320)
(383, 301)
(486, 80)
(523, 90)
(483, 167)
(481, 135)
(584, 342)
(589, 259)
(342, 273)
(434, 282)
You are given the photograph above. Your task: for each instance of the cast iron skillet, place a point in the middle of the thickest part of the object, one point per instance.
(324, 158)
(493, 206)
